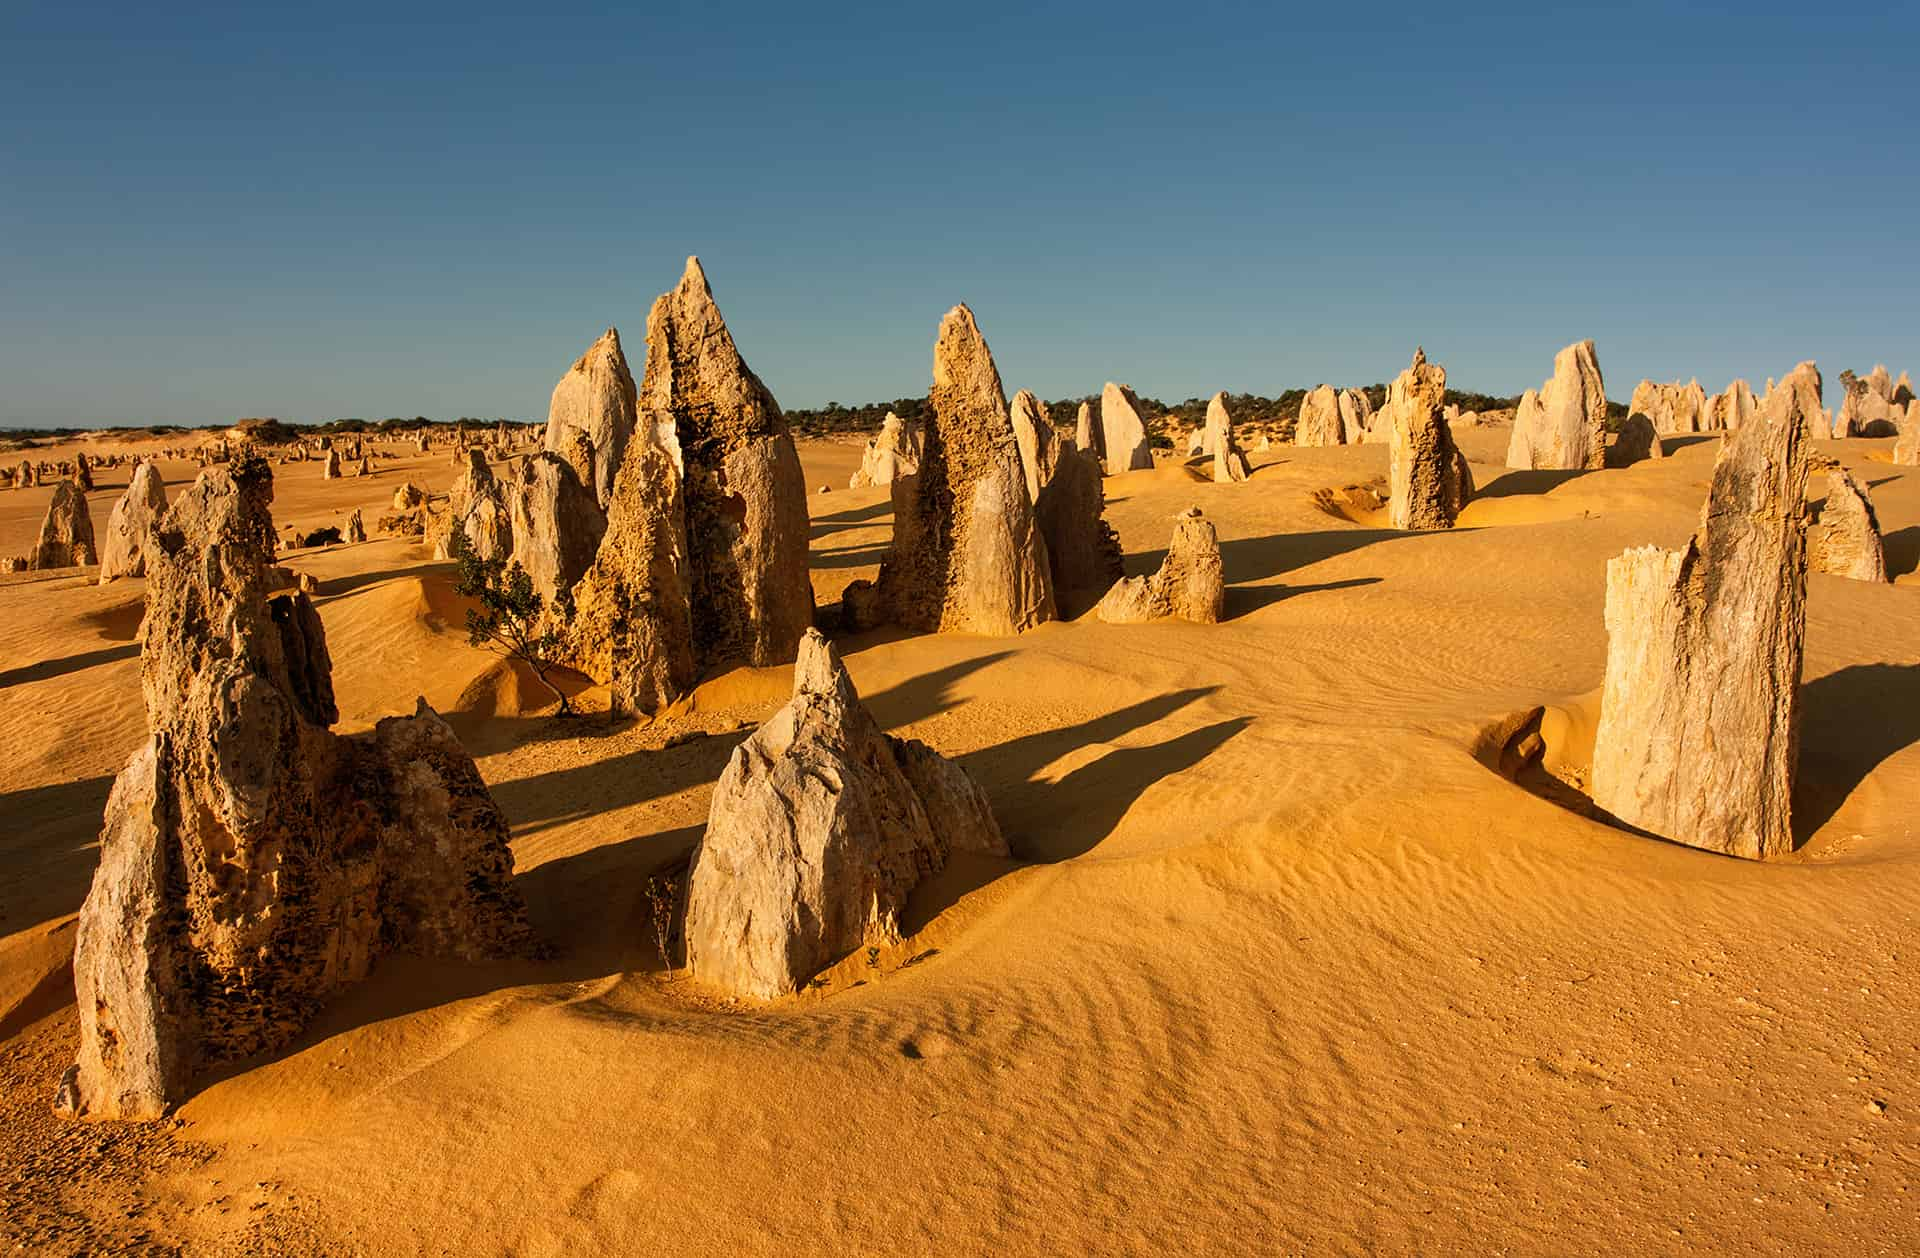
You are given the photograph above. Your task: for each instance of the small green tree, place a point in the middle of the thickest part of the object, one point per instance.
(508, 620)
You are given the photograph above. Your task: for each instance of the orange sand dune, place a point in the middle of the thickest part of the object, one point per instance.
(1279, 965)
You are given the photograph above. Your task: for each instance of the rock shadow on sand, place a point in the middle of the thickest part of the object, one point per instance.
(1851, 721)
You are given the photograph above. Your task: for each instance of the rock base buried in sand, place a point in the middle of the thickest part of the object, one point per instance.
(820, 827)
(1699, 717)
(1188, 585)
(253, 862)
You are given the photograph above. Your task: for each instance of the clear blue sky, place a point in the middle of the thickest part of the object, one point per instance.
(209, 212)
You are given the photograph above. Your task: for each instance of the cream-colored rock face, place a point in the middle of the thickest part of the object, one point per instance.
(1229, 462)
(1699, 715)
(1673, 409)
(1319, 423)
(1125, 444)
(1033, 435)
(1563, 426)
(894, 452)
(596, 399)
(133, 520)
(1189, 584)
(820, 827)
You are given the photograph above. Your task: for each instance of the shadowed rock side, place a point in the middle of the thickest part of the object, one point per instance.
(893, 452)
(1229, 463)
(1563, 426)
(596, 399)
(556, 523)
(1319, 423)
(330, 470)
(252, 862)
(1124, 444)
(1428, 478)
(1699, 717)
(66, 532)
(632, 624)
(745, 496)
(1083, 551)
(820, 827)
(132, 522)
(1189, 584)
(1637, 441)
(1847, 541)
(967, 554)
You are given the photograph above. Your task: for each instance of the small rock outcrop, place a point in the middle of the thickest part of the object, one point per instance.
(820, 827)
(356, 527)
(1906, 451)
(253, 862)
(1563, 426)
(597, 400)
(476, 511)
(1229, 463)
(1699, 718)
(1673, 409)
(894, 452)
(1319, 423)
(1089, 436)
(1124, 443)
(1729, 411)
(1356, 417)
(330, 470)
(66, 532)
(1188, 585)
(132, 523)
(1798, 393)
(1869, 408)
(1428, 478)
(1846, 542)
(967, 554)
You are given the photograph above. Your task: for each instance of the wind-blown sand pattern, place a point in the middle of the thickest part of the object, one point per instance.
(1280, 960)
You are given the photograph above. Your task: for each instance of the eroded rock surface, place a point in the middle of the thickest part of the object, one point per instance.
(1699, 717)
(1428, 478)
(66, 531)
(1033, 435)
(1229, 463)
(253, 862)
(1188, 585)
(967, 556)
(820, 827)
(557, 525)
(894, 452)
(1847, 542)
